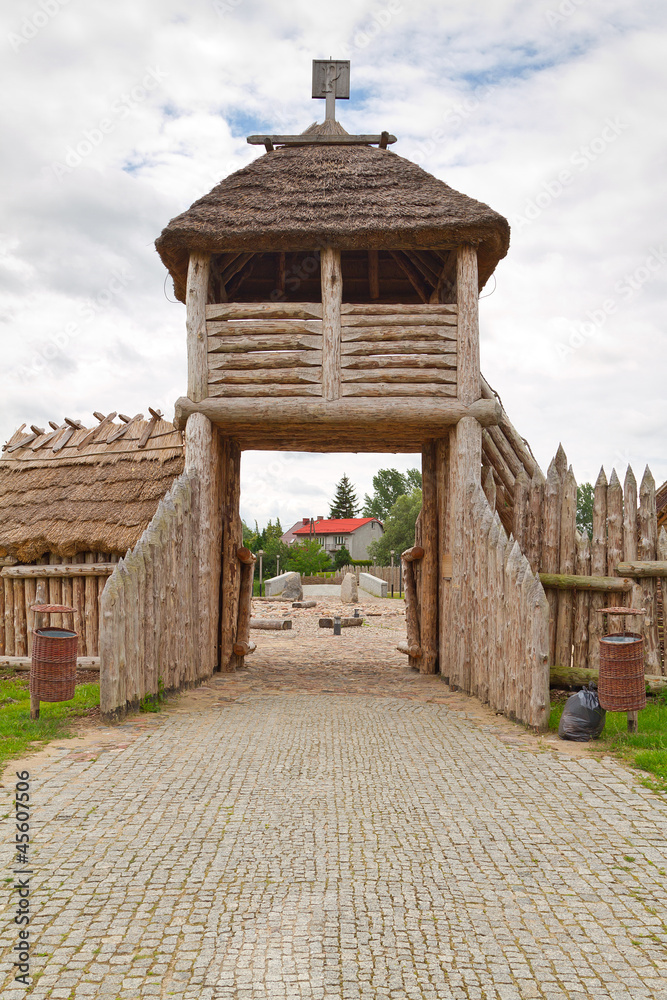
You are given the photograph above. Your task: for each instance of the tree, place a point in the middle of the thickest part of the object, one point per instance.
(399, 529)
(307, 558)
(342, 558)
(344, 503)
(585, 494)
(388, 486)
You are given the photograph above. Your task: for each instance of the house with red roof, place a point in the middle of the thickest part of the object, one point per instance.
(355, 533)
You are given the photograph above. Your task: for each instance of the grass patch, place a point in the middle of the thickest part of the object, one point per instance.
(19, 733)
(645, 750)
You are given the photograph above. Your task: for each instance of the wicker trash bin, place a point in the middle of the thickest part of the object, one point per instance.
(53, 665)
(621, 683)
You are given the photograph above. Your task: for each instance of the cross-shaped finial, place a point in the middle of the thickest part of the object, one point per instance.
(331, 79)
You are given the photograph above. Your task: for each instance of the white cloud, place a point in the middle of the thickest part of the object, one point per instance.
(497, 97)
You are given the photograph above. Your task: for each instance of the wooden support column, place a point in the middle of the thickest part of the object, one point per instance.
(196, 295)
(232, 540)
(444, 555)
(465, 469)
(332, 297)
(203, 458)
(429, 566)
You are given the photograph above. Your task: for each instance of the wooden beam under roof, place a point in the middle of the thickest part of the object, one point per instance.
(316, 139)
(413, 275)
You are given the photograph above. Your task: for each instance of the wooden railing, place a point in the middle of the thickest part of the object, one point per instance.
(150, 608)
(278, 349)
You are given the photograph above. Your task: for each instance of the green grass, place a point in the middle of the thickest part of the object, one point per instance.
(19, 733)
(645, 750)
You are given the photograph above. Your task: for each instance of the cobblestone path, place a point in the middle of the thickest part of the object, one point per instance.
(343, 828)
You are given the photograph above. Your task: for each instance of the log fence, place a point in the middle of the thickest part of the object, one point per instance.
(150, 609)
(77, 581)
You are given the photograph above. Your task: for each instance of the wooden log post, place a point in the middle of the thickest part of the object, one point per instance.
(204, 461)
(630, 536)
(9, 619)
(465, 464)
(231, 541)
(582, 567)
(20, 627)
(614, 537)
(332, 295)
(521, 501)
(551, 545)
(79, 602)
(30, 586)
(444, 555)
(2, 616)
(598, 568)
(533, 547)
(242, 643)
(91, 622)
(55, 593)
(411, 610)
(429, 566)
(647, 550)
(568, 530)
(195, 298)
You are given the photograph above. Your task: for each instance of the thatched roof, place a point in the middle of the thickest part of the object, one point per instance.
(99, 498)
(348, 197)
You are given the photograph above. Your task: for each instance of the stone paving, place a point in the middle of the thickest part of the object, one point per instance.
(329, 824)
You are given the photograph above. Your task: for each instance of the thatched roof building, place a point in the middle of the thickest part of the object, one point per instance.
(301, 198)
(77, 489)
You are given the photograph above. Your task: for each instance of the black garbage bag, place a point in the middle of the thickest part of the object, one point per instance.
(583, 717)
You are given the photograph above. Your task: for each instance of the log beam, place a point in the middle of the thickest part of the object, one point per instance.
(635, 569)
(568, 581)
(196, 295)
(59, 570)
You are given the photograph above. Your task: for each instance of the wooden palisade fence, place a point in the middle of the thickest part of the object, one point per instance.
(150, 607)
(77, 582)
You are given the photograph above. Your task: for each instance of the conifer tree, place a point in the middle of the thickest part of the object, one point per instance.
(344, 503)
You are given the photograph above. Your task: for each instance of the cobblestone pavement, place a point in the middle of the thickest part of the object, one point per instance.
(328, 824)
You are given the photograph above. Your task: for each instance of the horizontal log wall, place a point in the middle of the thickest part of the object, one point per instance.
(264, 349)
(624, 540)
(76, 581)
(389, 350)
(504, 610)
(150, 609)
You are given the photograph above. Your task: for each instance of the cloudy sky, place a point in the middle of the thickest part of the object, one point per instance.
(116, 117)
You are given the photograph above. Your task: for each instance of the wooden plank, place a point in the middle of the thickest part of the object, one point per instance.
(520, 513)
(637, 569)
(332, 292)
(156, 415)
(405, 389)
(91, 620)
(647, 522)
(383, 309)
(596, 584)
(262, 328)
(598, 567)
(407, 376)
(429, 339)
(219, 390)
(497, 462)
(319, 139)
(260, 342)
(233, 266)
(467, 294)
(568, 549)
(73, 427)
(23, 663)
(20, 629)
(379, 348)
(550, 561)
(413, 325)
(263, 310)
(124, 428)
(2, 616)
(196, 295)
(256, 360)
(533, 541)
(272, 376)
(92, 434)
(432, 362)
(582, 567)
(58, 570)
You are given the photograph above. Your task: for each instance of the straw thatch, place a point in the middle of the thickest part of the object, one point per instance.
(348, 197)
(97, 499)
